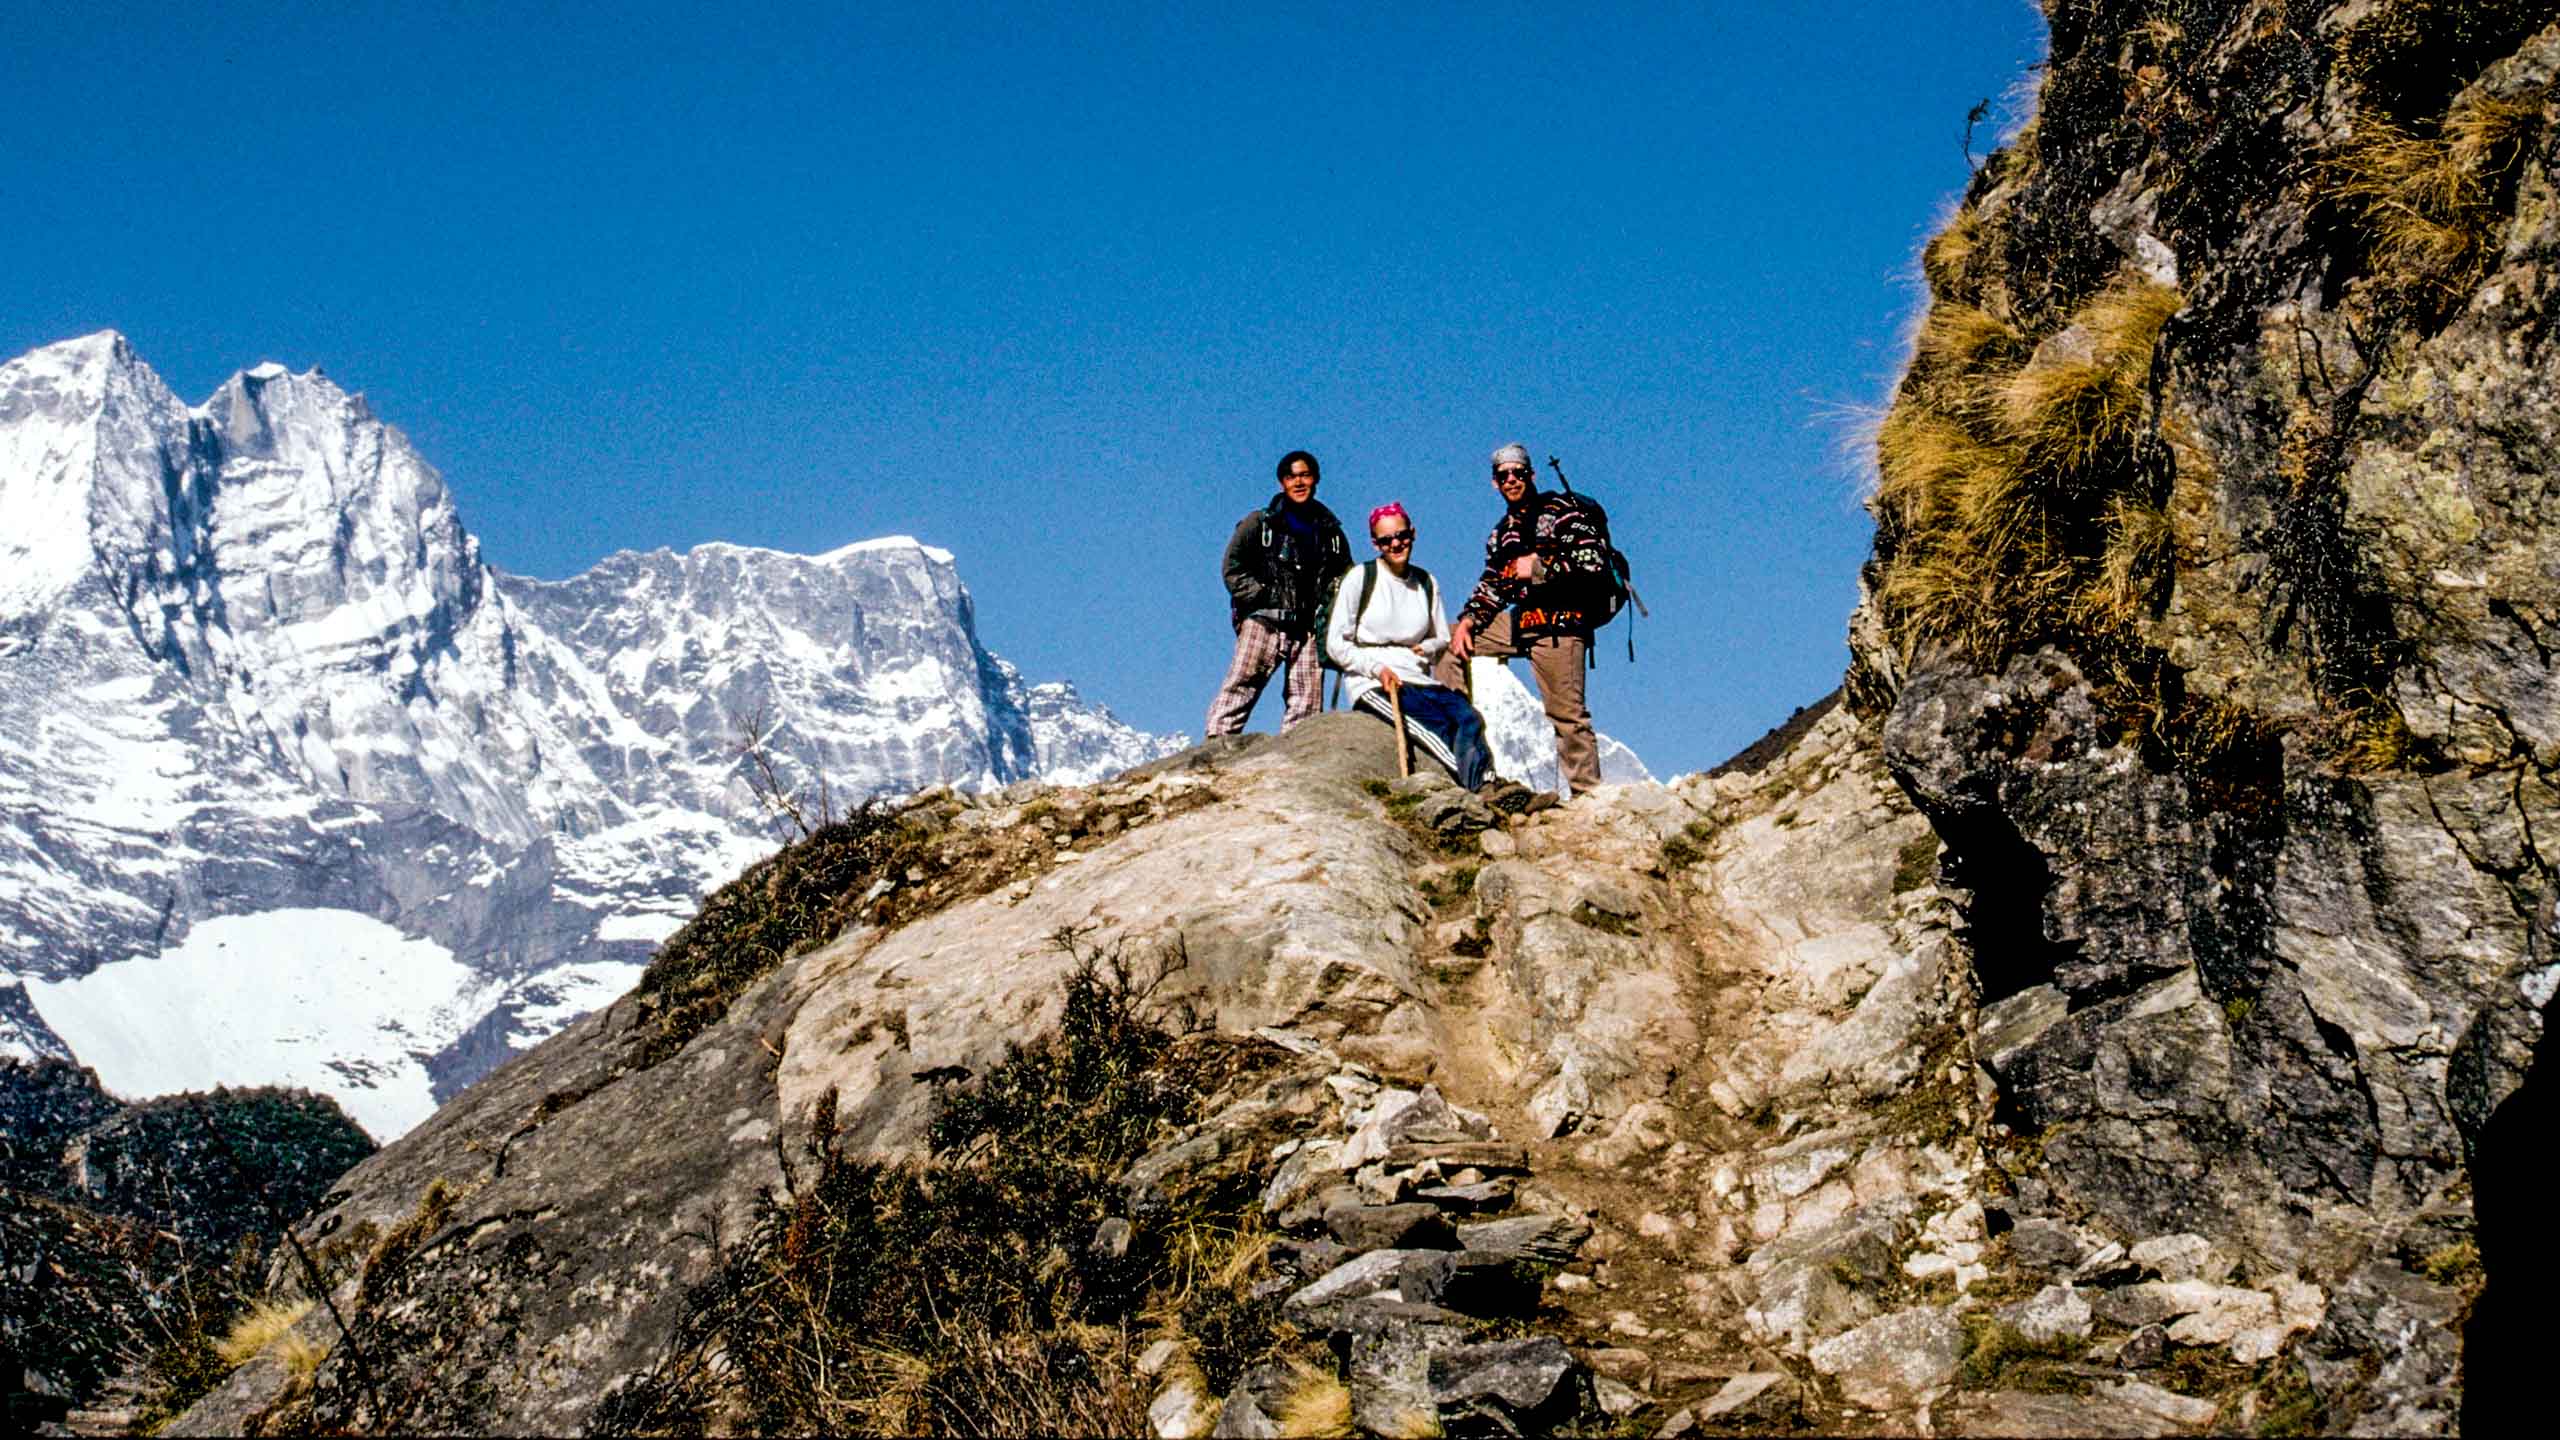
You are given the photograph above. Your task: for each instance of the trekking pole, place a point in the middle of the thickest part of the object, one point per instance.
(1558, 466)
(1404, 746)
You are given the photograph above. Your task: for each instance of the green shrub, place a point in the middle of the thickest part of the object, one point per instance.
(795, 900)
(1998, 1357)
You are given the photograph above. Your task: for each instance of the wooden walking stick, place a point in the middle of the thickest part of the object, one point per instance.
(1404, 747)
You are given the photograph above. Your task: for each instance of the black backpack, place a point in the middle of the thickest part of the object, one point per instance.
(1590, 580)
(1594, 576)
(1330, 540)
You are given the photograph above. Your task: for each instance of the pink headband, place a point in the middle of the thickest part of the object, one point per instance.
(1392, 507)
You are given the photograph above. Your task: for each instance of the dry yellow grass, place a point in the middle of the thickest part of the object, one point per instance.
(1943, 259)
(2140, 552)
(2426, 202)
(1995, 473)
(886, 1388)
(1317, 1405)
(1964, 339)
(265, 1322)
(1922, 460)
(1198, 1254)
(2071, 412)
(301, 1357)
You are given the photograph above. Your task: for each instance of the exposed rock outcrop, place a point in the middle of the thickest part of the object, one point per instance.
(2237, 362)
(2106, 1021)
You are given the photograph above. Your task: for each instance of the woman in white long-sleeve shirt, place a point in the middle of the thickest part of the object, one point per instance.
(1385, 640)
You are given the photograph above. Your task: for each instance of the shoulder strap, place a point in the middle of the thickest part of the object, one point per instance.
(1368, 587)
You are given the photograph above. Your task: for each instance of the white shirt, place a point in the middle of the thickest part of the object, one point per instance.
(1400, 616)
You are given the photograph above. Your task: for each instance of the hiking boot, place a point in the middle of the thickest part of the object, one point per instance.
(1541, 800)
(1508, 796)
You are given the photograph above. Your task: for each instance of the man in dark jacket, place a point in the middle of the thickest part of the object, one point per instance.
(1281, 563)
(1523, 606)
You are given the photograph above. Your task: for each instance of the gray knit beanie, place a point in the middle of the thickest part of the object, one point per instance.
(1512, 454)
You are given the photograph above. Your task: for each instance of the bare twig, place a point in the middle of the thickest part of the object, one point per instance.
(1973, 117)
(809, 808)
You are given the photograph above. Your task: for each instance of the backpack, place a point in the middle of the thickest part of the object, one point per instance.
(1587, 584)
(1368, 587)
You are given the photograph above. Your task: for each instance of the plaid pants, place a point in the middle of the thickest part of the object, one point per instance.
(1261, 649)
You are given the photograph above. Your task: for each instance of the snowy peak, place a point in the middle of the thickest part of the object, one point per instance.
(77, 367)
(266, 715)
(884, 545)
(91, 445)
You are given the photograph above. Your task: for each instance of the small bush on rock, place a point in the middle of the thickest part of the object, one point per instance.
(979, 1291)
(802, 896)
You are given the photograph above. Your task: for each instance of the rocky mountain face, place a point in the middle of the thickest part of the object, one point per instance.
(2124, 1012)
(270, 727)
(113, 1215)
(2236, 398)
(1658, 1109)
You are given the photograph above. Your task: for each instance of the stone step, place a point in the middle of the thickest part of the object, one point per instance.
(1489, 1156)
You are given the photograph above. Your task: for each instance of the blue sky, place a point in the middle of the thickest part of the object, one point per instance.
(1052, 287)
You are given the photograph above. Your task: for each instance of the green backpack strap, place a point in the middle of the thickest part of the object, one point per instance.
(1368, 587)
(1359, 611)
(1368, 582)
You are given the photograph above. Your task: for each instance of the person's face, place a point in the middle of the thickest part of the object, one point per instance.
(1512, 479)
(1299, 482)
(1394, 538)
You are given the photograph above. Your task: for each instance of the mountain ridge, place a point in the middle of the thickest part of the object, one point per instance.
(255, 664)
(252, 661)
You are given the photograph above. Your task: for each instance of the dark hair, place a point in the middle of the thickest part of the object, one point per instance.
(1292, 458)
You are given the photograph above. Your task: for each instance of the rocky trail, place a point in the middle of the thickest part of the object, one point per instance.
(111, 1412)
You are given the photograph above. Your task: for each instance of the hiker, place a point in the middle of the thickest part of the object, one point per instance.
(1387, 628)
(1516, 608)
(1280, 566)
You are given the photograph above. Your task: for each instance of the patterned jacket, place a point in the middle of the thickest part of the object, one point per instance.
(1568, 533)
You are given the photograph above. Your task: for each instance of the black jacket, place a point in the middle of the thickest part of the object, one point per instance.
(1274, 576)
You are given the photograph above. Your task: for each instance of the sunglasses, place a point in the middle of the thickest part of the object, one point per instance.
(1512, 472)
(1400, 540)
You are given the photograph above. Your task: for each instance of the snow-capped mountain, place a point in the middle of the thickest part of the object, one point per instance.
(295, 787)
(1524, 744)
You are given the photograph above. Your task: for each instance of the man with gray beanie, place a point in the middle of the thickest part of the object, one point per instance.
(1530, 603)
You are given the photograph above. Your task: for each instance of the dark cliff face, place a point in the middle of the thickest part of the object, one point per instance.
(2212, 621)
(116, 1219)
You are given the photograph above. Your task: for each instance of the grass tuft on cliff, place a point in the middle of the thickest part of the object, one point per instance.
(794, 900)
(2035, 483)
(2014, 502)
(2429, 204)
